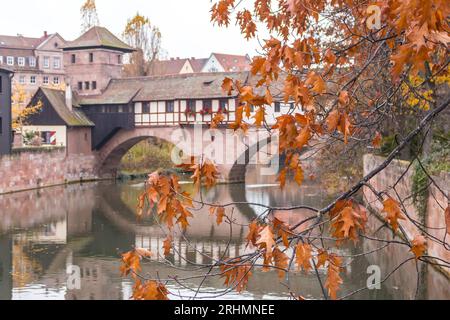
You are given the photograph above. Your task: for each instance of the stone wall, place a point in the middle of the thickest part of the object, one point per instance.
(30, 169)
(433, 218)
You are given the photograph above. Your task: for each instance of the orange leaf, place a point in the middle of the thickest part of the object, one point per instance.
(322, 258)
(303, 137)
(281, 261)
(419, 246)
(253, 233)
(334, 280)
(392, 208)
(282, 178)
(259, 116)
(343, 98)
(235, 274)
(303, 256)
(299, 176)
(332, 120)
(167, 246)
(266, 240)
(227, 85)
(150, 290)
(220, 215)
(377, 140)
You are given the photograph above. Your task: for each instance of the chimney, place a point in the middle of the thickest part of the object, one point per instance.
(69, 96)
(192, 58)
(45, 34)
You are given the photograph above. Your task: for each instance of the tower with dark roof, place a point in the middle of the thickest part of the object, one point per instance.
(93, 59)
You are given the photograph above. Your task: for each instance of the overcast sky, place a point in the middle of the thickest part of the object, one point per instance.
(185, 24)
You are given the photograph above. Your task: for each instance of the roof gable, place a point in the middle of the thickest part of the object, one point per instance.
(56, 112)
(49, 43)
(98, 37)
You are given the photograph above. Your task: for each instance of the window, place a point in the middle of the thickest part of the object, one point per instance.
(56, 63)
(45, 80)
(1, 59)
(32, 61)
(73, 58)
(170, 106)
(21, 61)
(223, 105)
(80, 85)
(1, 85)
(91, 57)
(94, 85)
(191, 105)
(277, 107)
(119, 59)
(87, 85)
(22, 79)
(207, 106)
(1, 126)
(46, 62)
(55, 80)
(33, 79)
(10, 61)
(146, 107)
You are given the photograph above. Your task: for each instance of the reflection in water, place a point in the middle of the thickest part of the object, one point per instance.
(44, 232)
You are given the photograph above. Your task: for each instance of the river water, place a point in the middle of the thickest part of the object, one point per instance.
(44, 232)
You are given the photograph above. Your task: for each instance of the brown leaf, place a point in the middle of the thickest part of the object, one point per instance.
(419, 246)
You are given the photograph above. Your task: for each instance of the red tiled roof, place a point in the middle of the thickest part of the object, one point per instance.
(20, 42)
(233, 63)
(198, 64)
(167, 67)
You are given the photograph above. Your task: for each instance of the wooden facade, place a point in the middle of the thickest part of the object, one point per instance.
(5, 112)
(175, 112)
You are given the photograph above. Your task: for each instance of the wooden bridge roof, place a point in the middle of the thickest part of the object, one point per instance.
(177, 87)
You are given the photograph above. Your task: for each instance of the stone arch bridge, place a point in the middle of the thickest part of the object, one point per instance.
(231, 151)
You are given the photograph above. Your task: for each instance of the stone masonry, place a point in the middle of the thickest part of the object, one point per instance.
(32, 169)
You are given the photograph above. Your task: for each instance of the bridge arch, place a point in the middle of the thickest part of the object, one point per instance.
(111, 154)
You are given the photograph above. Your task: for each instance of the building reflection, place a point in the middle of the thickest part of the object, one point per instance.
(88, 226)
